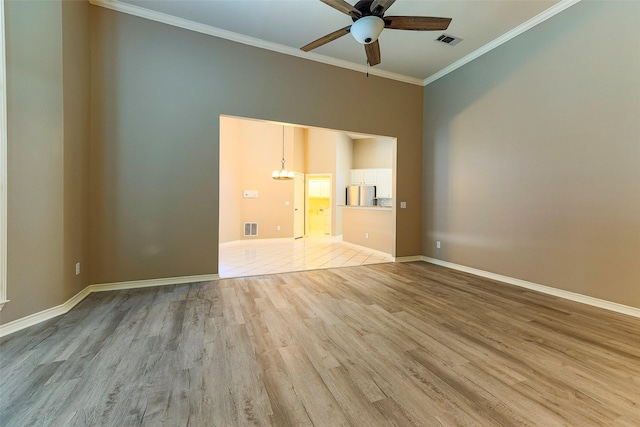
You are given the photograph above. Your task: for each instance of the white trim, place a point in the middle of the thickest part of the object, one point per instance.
(3, 163)
(251, 41)
(411, 258)
(287, 50)
(50, 313)
(552, 11)
(58, 310)
(584, 299)
(135, 284)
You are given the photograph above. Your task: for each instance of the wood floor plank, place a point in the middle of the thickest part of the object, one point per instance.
(357, 408)
(320, 404)
(288, 409)
(390, 344)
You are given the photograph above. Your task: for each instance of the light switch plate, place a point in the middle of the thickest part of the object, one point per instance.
(250, 194)
(403, 205)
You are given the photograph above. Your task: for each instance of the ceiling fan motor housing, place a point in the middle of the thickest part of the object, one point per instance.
(369, 21)
(367, 29)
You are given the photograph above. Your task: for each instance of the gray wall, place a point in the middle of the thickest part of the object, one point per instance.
(47, 99)
(532, 156)
(157, 95)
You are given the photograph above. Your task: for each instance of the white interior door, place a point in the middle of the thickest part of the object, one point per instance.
(298, 205)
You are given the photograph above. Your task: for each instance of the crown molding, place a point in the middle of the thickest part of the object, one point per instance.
(247, 40)
(552, 11)
(287, 50)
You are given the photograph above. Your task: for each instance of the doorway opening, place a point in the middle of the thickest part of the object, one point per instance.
(301, 223)
(318, 202)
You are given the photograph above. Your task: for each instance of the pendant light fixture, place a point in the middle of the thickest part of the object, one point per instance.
(282, 173)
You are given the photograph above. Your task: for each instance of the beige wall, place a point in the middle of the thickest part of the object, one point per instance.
(377, 223)
(47, 100)
(344, 162)
(248, 148)
(157, 96)
(76, 99)
(249, 152)
(322, 158)
(230, 186)
(530, 152)
(321, 151)
(532, 156)
(373, 153)
(299, 139)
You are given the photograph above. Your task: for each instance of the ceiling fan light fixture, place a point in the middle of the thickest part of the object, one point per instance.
(367, 29)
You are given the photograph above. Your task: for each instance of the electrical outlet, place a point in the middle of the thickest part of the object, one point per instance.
(366, 235)
(403, 205)
(438, 244)
(77, 268)
(278, 228)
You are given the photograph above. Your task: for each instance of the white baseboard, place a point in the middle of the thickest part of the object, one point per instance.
(411, 258)
(584, 299)
(41, 316)
(134, 284)
(50, 313)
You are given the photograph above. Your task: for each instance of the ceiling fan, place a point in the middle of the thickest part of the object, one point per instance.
(369, 21)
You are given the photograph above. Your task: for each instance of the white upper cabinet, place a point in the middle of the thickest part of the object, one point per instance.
(383, 183)
(381, 178)
(319, 188)
(325, 188)
(357, 176)
(363, 176)
(370, 177)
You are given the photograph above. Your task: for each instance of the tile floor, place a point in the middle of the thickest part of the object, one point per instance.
(269, 256)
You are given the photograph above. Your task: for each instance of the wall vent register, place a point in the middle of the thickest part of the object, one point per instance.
(250, 229)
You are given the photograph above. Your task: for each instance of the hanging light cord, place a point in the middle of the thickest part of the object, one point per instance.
(282, 147)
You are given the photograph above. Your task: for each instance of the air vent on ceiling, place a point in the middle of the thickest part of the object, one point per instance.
(447, 39)
(250, 228)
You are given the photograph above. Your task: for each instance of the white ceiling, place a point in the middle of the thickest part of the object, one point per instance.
(414, 56)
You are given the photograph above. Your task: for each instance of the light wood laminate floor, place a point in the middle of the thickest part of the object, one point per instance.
(388, 344)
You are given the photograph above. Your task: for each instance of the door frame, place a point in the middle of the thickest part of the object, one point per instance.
(308, 177)
(300, 175)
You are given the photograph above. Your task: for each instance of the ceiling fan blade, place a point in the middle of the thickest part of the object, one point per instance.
(343, 7)
(379, 7)
(326, 39)
(373, 53)
(416, 23)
